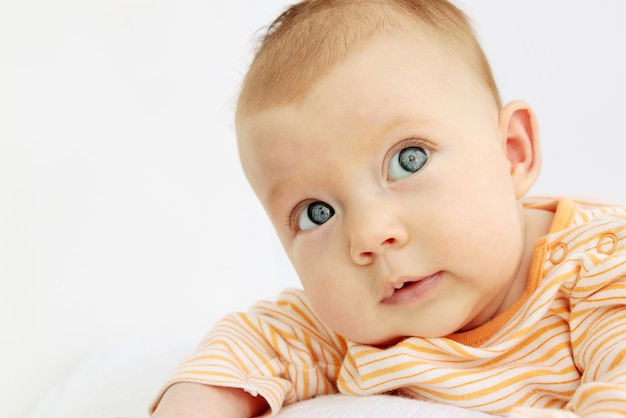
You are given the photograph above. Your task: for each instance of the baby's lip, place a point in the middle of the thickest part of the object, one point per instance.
(394, 288)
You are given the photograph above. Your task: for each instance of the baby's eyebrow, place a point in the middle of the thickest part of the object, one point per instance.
(416, 119)
(280, 199)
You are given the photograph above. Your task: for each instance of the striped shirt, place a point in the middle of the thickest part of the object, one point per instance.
(559, 351)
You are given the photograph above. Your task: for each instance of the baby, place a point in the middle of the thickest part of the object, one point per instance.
(373, 134)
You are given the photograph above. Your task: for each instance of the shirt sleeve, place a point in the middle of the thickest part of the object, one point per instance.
(280, 351)
(598, 332)
(597, 317)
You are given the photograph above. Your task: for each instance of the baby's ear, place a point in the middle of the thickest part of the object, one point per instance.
(518, 129)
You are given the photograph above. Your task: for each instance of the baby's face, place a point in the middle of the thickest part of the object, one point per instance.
(390, 189)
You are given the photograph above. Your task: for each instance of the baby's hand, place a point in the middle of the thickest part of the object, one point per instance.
(193, 400)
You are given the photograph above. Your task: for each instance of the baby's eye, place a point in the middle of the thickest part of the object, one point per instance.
(314, 214)
(407, 161)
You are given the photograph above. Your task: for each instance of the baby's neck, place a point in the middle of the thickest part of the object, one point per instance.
(537, 224)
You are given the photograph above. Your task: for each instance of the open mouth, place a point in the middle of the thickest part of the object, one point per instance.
(412, 290)
(405, 284)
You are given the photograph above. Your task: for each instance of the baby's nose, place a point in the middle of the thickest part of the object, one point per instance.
(374, 234)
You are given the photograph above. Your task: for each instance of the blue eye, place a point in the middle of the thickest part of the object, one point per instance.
(314, 215)
(407, 161)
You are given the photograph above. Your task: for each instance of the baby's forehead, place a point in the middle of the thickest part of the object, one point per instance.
(418, 56)
(297, 53)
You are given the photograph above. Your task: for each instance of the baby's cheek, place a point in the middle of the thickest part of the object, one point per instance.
(333, 290)
(332, 304)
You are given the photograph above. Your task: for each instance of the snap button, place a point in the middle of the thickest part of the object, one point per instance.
(607, 243)
(558, 253)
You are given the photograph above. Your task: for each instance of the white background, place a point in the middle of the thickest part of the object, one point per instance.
(123, 211)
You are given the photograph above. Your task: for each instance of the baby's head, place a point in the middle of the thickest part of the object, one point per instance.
(373, 135)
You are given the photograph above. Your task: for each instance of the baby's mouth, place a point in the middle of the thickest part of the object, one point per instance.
(408, 291)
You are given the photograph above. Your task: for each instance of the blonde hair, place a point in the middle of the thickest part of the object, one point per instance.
(313, 35)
